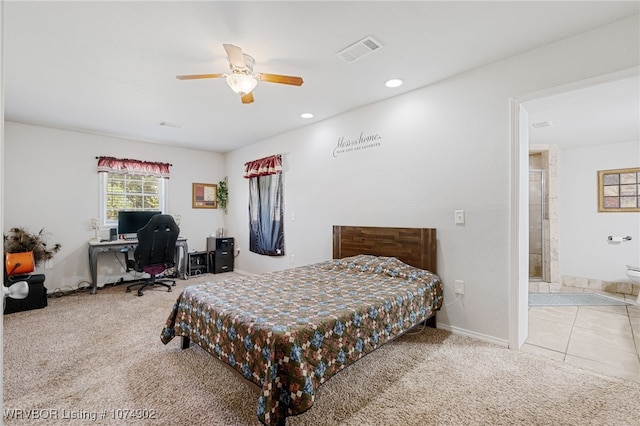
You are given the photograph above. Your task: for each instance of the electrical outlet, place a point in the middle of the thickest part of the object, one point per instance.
(458, 287)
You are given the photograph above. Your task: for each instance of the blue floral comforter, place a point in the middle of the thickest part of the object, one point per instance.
(289, 331)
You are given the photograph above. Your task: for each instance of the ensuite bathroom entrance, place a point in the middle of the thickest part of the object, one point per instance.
(543, 219)
(538, 245)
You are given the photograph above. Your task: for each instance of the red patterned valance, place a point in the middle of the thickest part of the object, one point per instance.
(264, 166)
(135, 167)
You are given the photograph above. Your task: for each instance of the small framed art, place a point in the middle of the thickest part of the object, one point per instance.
(204, 196)
(619, 190)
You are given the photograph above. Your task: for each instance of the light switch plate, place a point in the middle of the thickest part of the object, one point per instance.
(459, 217)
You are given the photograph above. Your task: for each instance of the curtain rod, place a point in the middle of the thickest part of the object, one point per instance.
(268, 156)
(97, 158)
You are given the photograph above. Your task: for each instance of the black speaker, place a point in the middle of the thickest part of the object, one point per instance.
(113, 234)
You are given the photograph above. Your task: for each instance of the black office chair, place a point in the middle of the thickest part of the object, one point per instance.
(155, 251)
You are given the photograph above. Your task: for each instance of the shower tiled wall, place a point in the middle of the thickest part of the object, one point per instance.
(544, 157)
(599, 285)
(537, 219)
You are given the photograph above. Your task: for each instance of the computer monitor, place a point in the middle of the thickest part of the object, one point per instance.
(130, 221)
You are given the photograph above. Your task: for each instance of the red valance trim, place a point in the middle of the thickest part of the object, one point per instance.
(136, 167)
(264, 166)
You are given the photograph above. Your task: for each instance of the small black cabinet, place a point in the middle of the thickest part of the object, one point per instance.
(198, 263)
(220, 254)
(37, 298)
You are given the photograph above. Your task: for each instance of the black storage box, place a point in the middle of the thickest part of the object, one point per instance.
(36, 299)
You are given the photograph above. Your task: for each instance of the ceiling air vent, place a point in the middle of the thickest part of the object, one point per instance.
(359, 49)
(174, 125)
(541, 125)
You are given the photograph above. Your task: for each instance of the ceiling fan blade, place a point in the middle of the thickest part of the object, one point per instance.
(248, 98)
(282, 79)
(197, 76)
(234, 53)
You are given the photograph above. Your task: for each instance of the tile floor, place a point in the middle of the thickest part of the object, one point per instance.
(601, 338)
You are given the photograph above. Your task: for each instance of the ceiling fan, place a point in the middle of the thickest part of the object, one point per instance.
(242, 80)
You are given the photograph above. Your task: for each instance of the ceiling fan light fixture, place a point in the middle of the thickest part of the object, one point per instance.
(242, 80)
(242, 84)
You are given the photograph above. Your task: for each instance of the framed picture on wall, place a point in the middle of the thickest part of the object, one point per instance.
(619, 190)
(204, 196)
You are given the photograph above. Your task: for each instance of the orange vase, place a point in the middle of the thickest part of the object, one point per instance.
(19, 263)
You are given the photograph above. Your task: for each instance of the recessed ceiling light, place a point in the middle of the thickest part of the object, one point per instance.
(306, 115)
(394, 82)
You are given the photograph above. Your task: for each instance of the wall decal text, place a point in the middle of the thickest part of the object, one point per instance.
(361, 142)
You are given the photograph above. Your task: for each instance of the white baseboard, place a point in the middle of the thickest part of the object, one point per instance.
(474, 335)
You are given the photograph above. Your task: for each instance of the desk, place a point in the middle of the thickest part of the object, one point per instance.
(96, 248)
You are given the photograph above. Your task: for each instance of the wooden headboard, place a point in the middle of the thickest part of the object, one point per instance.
(414, 246)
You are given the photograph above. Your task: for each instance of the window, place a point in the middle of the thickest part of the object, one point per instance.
(266, 216)
(130, 192)
(133, 185)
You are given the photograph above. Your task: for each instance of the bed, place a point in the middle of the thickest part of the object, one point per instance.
(288, 332)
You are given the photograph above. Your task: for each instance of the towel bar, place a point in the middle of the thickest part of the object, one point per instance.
(617, 239)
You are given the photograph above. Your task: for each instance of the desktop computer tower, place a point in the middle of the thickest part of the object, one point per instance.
(198, 263)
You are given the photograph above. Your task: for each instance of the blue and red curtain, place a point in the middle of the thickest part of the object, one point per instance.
(266, 212)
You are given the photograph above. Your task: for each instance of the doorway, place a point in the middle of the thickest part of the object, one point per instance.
(519, 219)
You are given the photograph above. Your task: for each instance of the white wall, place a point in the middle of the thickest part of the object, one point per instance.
(442, 148)
(584, 249)
(51, 181)
(2, 129)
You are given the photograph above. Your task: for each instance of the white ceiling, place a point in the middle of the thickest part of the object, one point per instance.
(110, 67)
(597, 115)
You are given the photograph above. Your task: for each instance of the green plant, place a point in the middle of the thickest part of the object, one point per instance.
(19, 240)
(223, 194)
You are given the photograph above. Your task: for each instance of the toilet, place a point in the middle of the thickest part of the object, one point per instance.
(633, 272)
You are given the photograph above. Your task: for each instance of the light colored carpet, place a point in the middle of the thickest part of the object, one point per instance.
(100, 353)
(573, 299)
